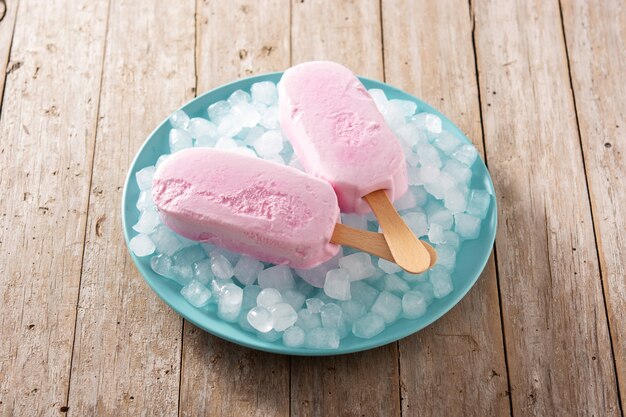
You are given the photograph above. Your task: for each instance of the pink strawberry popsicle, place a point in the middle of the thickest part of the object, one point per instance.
(269, 211)
(339, 135)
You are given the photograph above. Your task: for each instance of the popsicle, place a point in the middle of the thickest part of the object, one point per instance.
(272, 212)
(339, 135)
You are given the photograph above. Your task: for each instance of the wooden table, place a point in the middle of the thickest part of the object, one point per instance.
(539, 86)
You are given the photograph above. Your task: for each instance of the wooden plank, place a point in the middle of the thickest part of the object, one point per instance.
(595, 37)
(556, 332)
(429, 52)
(127, 350)
(361, 384)
(233, 380)
(47, 129)
(8, 13)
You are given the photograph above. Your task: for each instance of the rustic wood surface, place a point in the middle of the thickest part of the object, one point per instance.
(539, 87)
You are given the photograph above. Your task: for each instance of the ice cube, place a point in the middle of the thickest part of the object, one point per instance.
(218, 286)
(363, 293)
(189, 255)
(183, 274)
(196, 294)
(165, 240)
(446, 257)
(268, 297)
(317, 276)
(294, 337)
(405, 106)
(308, 320)
(162, 265)
(379, 97)
(359, 265)
(429, 122)
(466, 154)
(426, 289)
(283, 316)
(250, 295)
(478, 205)
(412, 278)
(440, 280)
(253, 134)
(145, 202)
(337, 284)
(264, 92)
(454, 200)
(202, 271)
(293, 297)
(466, 226)
(260, 319)
(388, 267)
(242, 321)
(447, 142)
(295, 163)
(314, 305)
(409, 133)
(221, 267)
(352, 311)
(435, 233)
(304, 287)
(247, 114)
(229, 303)
(428, 174)
(354, 220)
(238, 97)
(199, 127)
(161, 159)
(226, 144)
(144, 177)
(388, 306)
(278, 277)
(451, 239)
(407, 201)
(417, 223)
(439, 187)
(212, 251)
(270, 143)
(331, 315)
(247, 270)
(428, 155)
(414, 304)
(270, 336)
(229, 126)
(206, 141)
(437, 214)
(368, 326)
(179, 140)
(394, 284)
(269, 120)
(322, 338)
(179, 119)
(142, 245)
(218, 110)
(148, 221)
(460, 172)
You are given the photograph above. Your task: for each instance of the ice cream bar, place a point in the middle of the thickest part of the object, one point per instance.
(339, 135)
(272, 212)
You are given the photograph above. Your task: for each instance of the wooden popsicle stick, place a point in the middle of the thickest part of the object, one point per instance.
(370, 242)
(407, 250)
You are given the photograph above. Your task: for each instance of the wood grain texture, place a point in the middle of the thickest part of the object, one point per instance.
(235, 39)
(361, 384)
(429, 52)
(8, 12)
(240, 38)
(127, 350)
(596, 34)
(46, 148)
(408, 252)
(555, 327)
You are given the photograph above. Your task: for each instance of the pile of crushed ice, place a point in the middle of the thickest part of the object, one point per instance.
(353, 293)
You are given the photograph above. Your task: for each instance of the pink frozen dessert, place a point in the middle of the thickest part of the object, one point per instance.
(339, 134)
(272, 212)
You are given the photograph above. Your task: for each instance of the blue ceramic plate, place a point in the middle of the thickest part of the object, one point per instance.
(471, 259)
